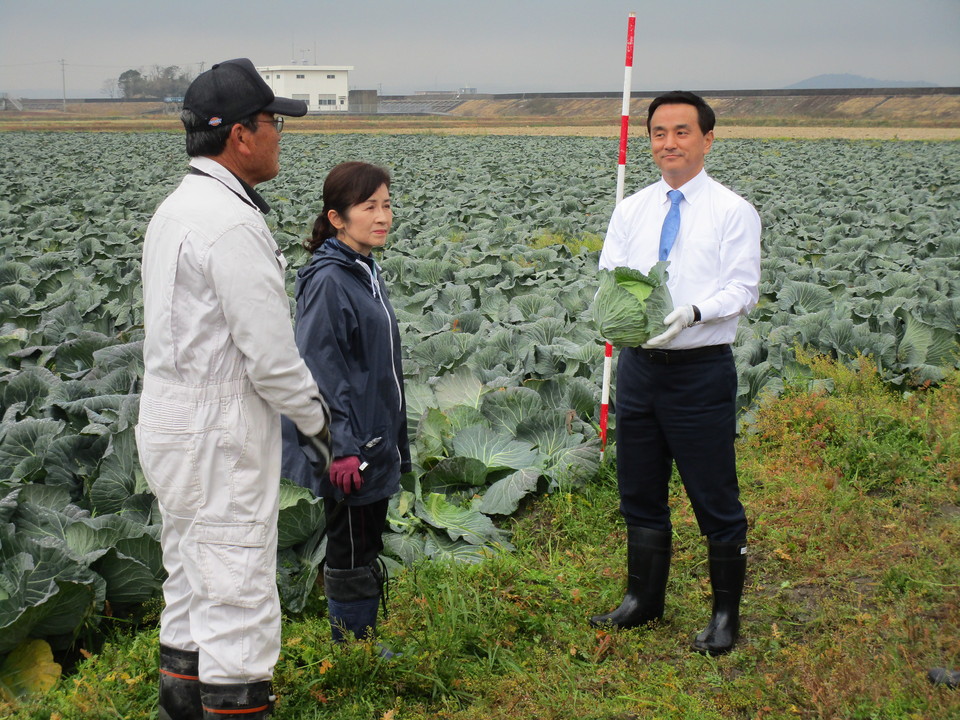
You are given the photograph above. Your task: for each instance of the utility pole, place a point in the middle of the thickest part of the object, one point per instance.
(63, 77)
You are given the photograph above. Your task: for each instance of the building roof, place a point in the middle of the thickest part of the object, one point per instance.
(300, 68)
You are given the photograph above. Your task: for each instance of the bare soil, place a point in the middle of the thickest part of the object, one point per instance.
(584, 118)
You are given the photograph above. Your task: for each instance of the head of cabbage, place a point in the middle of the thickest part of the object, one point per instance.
(629, 307)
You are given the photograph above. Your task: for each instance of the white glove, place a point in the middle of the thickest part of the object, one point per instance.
(681, 318)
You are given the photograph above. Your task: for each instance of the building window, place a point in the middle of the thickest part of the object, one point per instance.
(278, 77)
(300, 77)
(331, 77)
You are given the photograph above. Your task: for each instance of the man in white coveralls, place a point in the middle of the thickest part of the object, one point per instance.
(676, 394)
(221, 366)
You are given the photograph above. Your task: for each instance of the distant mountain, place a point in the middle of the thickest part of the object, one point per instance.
(845, 80)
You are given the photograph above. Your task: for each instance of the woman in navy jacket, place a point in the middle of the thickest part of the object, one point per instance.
(347, 333)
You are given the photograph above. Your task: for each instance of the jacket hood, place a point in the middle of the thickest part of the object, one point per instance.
(333, 253)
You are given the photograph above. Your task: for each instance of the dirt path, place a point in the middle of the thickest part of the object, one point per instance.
(533, 126)
(741, 132)
(852, 116)
(848, 133)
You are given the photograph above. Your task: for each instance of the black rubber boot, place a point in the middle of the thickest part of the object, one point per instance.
(728, 570)
(945, 677)
(239, 701)
(648, 566)
(353, 600)
(179, 684)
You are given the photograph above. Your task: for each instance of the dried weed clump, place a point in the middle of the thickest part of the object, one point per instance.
(855, 493)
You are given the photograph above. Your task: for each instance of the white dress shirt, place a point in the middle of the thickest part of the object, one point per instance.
(714, 263)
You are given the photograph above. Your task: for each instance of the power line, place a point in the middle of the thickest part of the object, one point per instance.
(41, 62)
(85, 65)
(200, 62)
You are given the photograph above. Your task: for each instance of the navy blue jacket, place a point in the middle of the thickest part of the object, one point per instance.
(347, 333)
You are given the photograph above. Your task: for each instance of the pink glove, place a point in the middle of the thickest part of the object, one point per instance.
(345, 474)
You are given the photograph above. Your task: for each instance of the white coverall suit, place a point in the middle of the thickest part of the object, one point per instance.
(221, 365)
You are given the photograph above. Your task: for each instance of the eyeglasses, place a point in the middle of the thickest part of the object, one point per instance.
(277, 122)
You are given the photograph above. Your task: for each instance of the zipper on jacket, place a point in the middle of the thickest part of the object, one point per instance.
(373, 280)
(393, 365)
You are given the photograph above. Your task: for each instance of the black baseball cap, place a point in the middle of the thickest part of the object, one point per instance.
(233, 90)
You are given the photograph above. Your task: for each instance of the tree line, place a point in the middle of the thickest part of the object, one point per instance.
(158, 82)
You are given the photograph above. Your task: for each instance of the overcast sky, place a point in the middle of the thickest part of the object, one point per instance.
(401, 46)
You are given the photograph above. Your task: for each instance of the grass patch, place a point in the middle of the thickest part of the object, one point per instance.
(852, 594)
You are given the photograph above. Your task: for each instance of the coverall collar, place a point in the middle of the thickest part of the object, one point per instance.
(211, 168)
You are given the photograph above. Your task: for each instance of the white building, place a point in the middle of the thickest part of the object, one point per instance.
(324, 88)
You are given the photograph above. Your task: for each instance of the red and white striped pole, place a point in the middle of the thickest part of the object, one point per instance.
(625, 108)
(621, 175)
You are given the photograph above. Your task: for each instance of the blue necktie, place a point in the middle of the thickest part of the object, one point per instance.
(671, 224)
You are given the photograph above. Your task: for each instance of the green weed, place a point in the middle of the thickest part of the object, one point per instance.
(852, 594)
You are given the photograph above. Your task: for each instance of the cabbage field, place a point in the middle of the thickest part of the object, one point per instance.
(492, 269)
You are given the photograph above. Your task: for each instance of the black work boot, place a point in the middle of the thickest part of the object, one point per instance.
(728, 570)
(238, 701)
(353, 600)
(648, 566)
(179, 684)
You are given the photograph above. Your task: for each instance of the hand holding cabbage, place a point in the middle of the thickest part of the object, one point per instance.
(629, 307)
(677, 321)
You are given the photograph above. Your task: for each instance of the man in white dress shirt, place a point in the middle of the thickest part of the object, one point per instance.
(676, 395)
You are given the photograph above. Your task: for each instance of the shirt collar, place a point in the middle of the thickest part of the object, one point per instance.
(690, 189)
